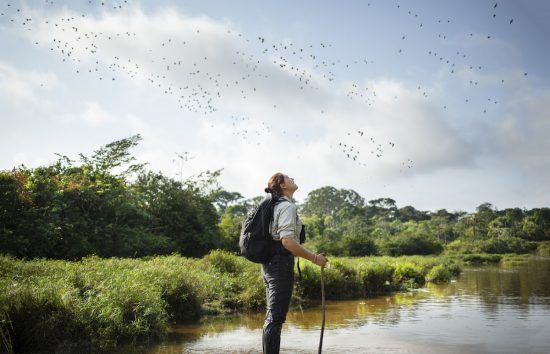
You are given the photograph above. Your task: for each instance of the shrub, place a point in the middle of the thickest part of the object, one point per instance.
(461, 246)
(225, 262)
(439, 274)
(37, 314)
(507, 244)
(509, 260)
(408, 275)
(481, 258)
(376, 277)
(544, 249)
(403, 244)
(357, 245)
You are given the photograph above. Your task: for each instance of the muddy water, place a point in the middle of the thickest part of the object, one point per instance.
(488, 309)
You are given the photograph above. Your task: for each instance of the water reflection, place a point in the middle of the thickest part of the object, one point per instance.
(488, 309)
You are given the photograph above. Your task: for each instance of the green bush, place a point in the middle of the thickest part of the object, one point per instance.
(252, 294)
(180, 285)
(341, 281)
(376, 277)
(481, 258)
(357, 245)
(408, 275)
(37, 314)
(507, 244)
(404, 244)
(439, 274)
(510, 260)
(225, 262)
(544, 249)
(462, 247)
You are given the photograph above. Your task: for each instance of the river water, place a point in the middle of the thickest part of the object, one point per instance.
(488, 309)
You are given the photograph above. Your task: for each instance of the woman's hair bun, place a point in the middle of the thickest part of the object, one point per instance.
(268, 190)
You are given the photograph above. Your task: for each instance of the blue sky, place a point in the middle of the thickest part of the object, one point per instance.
(445, 107)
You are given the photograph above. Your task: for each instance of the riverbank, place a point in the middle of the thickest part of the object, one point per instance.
(488, 308)
(101, 303)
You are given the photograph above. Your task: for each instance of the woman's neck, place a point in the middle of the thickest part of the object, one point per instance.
(288, 195)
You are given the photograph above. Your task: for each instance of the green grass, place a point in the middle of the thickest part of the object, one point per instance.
(49, 304)
(512, 260)
(543, 249)
(480, 258)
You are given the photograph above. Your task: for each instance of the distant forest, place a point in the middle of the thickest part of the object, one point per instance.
(71, 209)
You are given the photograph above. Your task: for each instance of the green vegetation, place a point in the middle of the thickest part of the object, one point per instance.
(48, 304)
(69, 210)
(543, 249)
(340, 222)
(64, 229)
(512, 260)
(478, 258)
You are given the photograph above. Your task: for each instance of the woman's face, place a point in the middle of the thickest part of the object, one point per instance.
(289, 184)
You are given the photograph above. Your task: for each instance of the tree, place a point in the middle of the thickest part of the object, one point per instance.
(485, 213)
(329, 200)
(500, 227)
(230, 227)
(410, 213)
(513, 217)
(443, 213)
(179, 212)
(222, 199)
(113, 155)
(384, 207)
(69, 210)
(356, 240)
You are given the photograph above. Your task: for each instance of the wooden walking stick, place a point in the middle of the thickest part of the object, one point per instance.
(323, 306)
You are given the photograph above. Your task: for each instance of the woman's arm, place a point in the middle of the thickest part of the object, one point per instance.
(300, 251)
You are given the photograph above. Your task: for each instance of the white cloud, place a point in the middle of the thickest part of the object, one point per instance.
(416, 129)
(25, 90)
(94, 115)
(522, 135)
(290, 129)
(300, 133)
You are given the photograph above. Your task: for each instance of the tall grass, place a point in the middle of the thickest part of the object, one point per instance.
(100, 303)
(544, 249)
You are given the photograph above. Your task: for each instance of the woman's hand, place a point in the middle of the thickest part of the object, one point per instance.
(320, 259)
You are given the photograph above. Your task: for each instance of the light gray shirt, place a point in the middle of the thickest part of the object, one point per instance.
(286, 223)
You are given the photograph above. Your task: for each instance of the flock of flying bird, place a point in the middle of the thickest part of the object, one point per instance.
(167, 64)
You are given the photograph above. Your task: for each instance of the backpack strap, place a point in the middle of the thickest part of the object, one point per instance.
(302, 237)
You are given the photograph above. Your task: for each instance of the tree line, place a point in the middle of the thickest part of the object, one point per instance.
(70, 209)
(342, 222)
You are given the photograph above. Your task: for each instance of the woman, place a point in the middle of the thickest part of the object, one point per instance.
(278, 273)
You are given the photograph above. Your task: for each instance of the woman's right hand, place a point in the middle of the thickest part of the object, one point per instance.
(321, 260)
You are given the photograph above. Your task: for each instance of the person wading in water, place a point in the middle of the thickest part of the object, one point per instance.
(278, 273)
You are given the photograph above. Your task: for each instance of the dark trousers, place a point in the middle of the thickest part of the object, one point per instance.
(278, 276)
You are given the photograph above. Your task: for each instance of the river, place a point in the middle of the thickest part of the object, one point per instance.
(487, 309)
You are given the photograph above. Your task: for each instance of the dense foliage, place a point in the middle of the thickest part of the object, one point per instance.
(68, 210)
(340, 222)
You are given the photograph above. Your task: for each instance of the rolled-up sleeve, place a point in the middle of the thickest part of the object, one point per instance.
(286, 225)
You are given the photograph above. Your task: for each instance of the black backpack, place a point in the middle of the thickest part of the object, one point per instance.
(255, 241)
